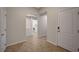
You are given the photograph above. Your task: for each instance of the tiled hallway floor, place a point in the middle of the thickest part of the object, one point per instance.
(33, 44)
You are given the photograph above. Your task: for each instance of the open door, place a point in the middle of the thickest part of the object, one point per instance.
(2, 29)
(67, 33)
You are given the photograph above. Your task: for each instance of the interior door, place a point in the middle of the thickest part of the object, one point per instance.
(67, 24)
(3, 29)
(0, 29)
(76, 19)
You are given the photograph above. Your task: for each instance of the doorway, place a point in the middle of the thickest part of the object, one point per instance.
(31, 25)
(34, 27)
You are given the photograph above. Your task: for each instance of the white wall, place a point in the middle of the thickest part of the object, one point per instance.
(16, 26)
(51, 24)
(42, 22)
(42, 25)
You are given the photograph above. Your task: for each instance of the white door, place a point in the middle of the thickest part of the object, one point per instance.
(3, 29)
(0, 29)
(68, 29)
(76, 18)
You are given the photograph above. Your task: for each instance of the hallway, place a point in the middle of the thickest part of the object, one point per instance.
(35, 44)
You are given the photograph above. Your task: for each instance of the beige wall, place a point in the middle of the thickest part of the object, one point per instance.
(16, 23)
(51, 24)
(42, 22)
(42, 26)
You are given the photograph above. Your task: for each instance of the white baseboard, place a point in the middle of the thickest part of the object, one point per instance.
(52, 42)
(15, 43)
(18, 41)
(25, 40)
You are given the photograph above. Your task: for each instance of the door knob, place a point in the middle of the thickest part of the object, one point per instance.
(58, 29)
